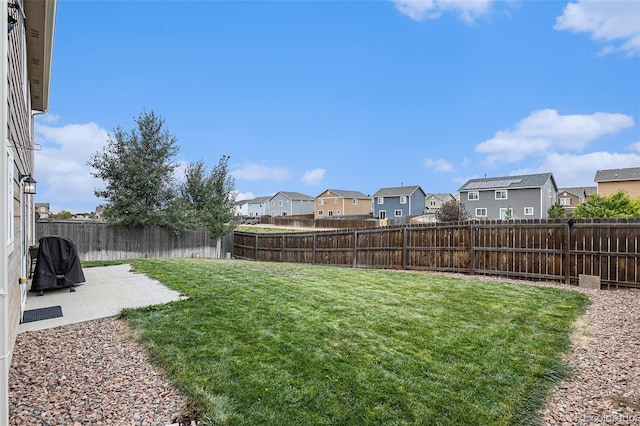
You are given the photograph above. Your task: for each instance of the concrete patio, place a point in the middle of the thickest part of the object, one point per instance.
(107, 290)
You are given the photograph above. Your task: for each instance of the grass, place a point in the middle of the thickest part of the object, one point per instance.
(287, 344)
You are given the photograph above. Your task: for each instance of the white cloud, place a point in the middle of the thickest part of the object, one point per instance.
(244, 196)
(64, 178)
(616, 21)
(546, 130)
(580, 169)
(255, 172)
(313, 177)
(438, 164)
(634, 147)
(469, 10)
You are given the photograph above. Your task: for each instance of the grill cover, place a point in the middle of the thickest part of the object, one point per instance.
(58, 264)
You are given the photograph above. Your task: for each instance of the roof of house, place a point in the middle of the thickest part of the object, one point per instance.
(294, 196)
(613, 175)
(397, 191)
(40, 23)
(260, 199)
(442, 196)
(580, 191)
(508, 182)
(347, 194)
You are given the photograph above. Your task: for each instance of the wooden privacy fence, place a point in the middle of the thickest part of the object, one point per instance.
(99, 241)
(555, 250)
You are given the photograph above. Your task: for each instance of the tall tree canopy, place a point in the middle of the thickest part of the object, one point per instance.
(452, 211)
(207, 198)
(137, 169)
(619, 205)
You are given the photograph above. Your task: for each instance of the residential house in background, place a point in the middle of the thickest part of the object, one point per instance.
(613, 180)
(290, 203)
(259, 206)
(27, 29)
(389, 203)
(241, 208)
(434, 201)
(42, 211)
(338, 202)
(569, 198)
(523, 196)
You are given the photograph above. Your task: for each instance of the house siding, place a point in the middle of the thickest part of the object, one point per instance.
(344, 205)
(631, 187)
(282, 205)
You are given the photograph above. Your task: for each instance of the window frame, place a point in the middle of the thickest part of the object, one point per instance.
(478, 209)
(502, 191)
(473, 196)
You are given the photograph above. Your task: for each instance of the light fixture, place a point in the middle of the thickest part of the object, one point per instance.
(29, 183)
(11, 22)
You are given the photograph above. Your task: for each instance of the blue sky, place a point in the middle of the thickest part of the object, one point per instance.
(354, 95)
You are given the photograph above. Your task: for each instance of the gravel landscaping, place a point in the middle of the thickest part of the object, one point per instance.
(95, 373)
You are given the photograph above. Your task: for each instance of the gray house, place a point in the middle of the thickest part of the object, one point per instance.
(524, 196)
(259, 206)
(291, 203)
(399, 201)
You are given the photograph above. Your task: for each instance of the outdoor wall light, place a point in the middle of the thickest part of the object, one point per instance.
(11, 21)
(29, 183)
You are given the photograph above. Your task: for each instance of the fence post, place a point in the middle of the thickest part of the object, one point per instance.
(256, 248)
(355, 248)
(567, 252)
(315, 243)
(405, 236)
(472, 247)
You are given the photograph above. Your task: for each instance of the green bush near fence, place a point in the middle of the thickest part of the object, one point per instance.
(286, 344)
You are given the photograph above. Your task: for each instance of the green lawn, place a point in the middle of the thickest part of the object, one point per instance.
(287, 344)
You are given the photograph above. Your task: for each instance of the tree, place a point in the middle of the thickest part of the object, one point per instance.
(62, 214)
(508, 214)
(556, 211)
(206, 199)
(452, 211)
(137, 168)
(619, 205)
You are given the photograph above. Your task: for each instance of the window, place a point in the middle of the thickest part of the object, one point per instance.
(381, 201)
(382, 214)
(320, 213)
(432, 203)
(565, 201)
(279, 203)
(338, 212)
(528, 211)
(354, 201)
(397, 213)
(473, 196)
(403, 199)
(335, 201)
(320, 202)
(501, 194)
(481, 212)
(330, 213)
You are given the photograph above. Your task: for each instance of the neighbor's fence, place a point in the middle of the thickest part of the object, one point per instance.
(536, 249)
(99, 241)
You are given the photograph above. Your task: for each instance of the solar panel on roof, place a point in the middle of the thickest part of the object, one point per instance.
(485, 184)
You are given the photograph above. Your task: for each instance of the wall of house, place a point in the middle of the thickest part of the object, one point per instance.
(418, 203)
(631, 187)
(517, 200)
(20, 142)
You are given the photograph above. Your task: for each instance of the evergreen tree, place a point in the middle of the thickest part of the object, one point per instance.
(207, 198)
(556, 211)
(137, 169)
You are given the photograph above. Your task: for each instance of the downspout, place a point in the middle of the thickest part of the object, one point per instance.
(5, 353)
